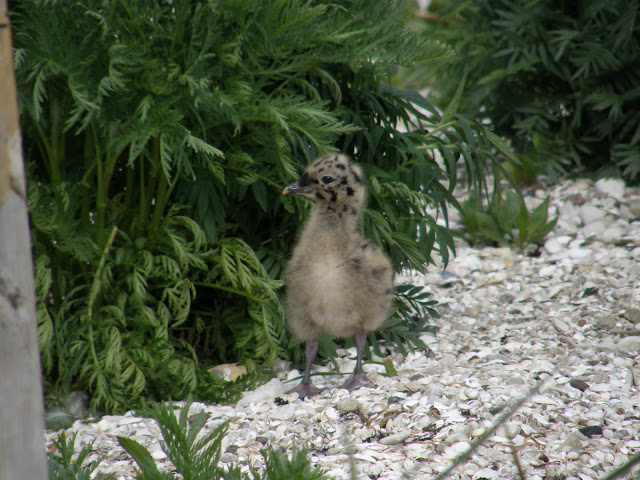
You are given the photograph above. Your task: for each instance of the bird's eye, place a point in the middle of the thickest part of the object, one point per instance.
(327, 179)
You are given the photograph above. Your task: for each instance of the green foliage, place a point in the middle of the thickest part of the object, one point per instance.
(410, 319)
(523, 170)
(195, 452)
(412, 303)
(564, 71)
(159, 137)
(62, 466)
(505, 219)
(278, 466)
(236, 272)
(110, 328)
(401, 133)
(193, 455)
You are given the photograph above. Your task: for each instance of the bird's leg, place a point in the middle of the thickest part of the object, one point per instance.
(358, 378)
(306, 388)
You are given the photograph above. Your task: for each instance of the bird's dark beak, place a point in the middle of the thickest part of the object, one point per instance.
(296, 189)
(290, 189)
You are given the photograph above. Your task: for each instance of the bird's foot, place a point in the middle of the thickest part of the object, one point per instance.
(305, 389)
(357, 380)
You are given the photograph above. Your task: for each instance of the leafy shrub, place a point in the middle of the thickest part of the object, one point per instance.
(159, 137)
(115, 329)
(564, 72)
(505, 219)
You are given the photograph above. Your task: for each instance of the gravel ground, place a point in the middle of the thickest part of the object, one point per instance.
(567, 316)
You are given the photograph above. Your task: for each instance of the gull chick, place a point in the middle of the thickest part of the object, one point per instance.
(338, 282)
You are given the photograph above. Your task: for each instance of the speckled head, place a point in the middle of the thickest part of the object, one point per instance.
(332, 180)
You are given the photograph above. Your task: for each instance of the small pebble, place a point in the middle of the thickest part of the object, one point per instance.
(579, 384)
(629, 344)
(575, 439)
(591, 431)
(633, 315)
(347, 405)
(285, 412)
(456, 449)
(622, 433)
(396, 438)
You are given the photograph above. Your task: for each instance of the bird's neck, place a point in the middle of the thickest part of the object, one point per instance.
(337, 221)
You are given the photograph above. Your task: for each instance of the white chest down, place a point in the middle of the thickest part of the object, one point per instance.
(334, 307)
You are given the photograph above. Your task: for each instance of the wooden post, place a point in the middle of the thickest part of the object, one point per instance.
(22, 454)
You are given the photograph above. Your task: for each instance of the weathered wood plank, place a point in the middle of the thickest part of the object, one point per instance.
(22, 453)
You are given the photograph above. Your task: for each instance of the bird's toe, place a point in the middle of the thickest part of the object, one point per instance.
(305, 390)
(357, 380)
